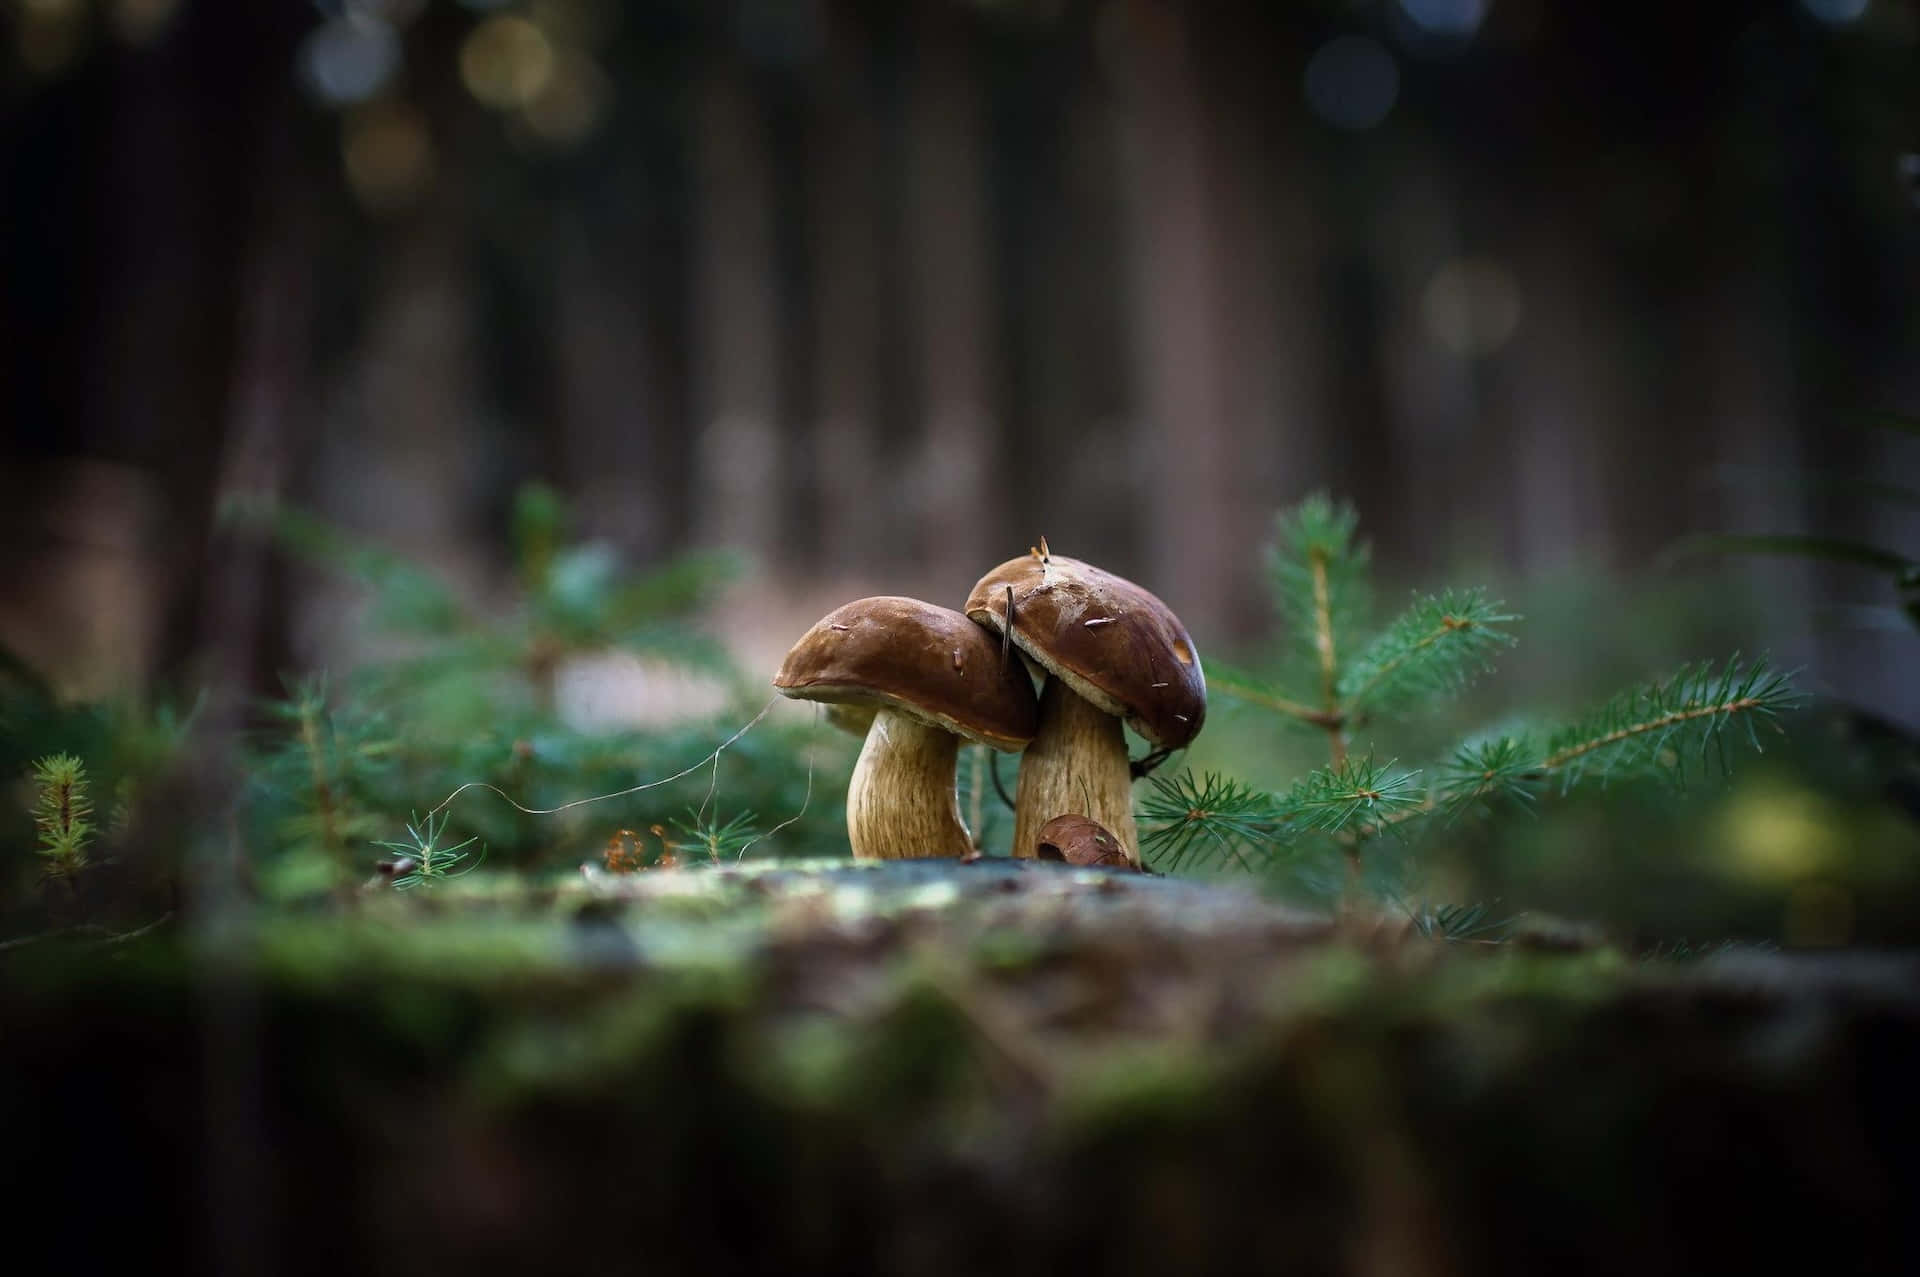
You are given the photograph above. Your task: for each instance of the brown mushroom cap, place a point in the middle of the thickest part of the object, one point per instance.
(930, 662)
(1112, 642)
(1079, 840)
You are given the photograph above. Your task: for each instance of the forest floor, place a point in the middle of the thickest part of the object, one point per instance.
(931, 1067)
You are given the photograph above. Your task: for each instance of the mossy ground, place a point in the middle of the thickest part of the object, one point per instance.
(939, 1068)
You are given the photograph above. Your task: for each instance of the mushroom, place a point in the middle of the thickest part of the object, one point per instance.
(933, 679)
(1112, 653)
(1079, 841)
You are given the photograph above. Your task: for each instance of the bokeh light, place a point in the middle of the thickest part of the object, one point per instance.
(50, 34)
(1446, 17)
(506, 62)
(349, 59)
(571, 103)
(138, 21)
(1836, 12)
(1779, 836)
(1352, 82)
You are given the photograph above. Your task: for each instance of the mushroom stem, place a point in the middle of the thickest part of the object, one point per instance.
(1077, 763)
(901, 803)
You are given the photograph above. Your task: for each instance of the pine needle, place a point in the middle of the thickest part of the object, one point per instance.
(1191, 822)
(1319, 579)
(1357, 795)
(1661, 727)
(1433, 649)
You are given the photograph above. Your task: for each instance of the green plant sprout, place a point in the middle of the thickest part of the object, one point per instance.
(422, 862)
(719, 840)
(321, 762)
(1338, 679)
(1458, 923)
(63, 812)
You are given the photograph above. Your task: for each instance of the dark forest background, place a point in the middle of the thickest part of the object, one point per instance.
(881, 292)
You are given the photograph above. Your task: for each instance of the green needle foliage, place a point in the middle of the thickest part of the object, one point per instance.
(422, 861)
(1186, 820)
(471, 695)
(1337, 676)
(717, 840)
(62, 811)
(1356, 796)
(1458, 922)
(1433, 649)
(1320, 585)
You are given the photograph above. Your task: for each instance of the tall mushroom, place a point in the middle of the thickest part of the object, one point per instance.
(934, 679)
(1112, 652)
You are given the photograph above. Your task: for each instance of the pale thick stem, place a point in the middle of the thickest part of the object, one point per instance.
(1077, 764)
(901, 803)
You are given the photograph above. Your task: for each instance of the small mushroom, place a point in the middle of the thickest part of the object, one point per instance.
(1112, 653)
(1079, 841)
(933, 679)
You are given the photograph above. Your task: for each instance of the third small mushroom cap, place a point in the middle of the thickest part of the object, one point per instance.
(1108, 639)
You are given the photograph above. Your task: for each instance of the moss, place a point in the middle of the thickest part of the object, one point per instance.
(1019, 1079)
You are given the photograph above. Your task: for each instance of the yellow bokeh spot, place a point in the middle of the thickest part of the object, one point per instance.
(51, 35)
(1780, 835)
(506, 62)
(572, 103)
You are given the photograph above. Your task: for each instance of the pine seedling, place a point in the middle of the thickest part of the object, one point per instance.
(63, 812)
(318, 764)
(1458, 923)
(1337, 678)
(422, 861)
(719, 840)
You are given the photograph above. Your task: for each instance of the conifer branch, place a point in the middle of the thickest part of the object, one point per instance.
(1657, 725)
(1323, 641)
(1481, 774)
(1435, 647)
(1185, 820)
(1319, 575)
(1357, 795)
(1253, 690)
(1651, 729)
(1319, 579)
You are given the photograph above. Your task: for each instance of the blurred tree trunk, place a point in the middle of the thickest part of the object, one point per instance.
(1069, 317)
(738, 467)
(1273, 350)
(610, 395)
(961, 515)
(1561, 396)
(139, 180)
(1183, 448)
(1442, 434)
(848, 511)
